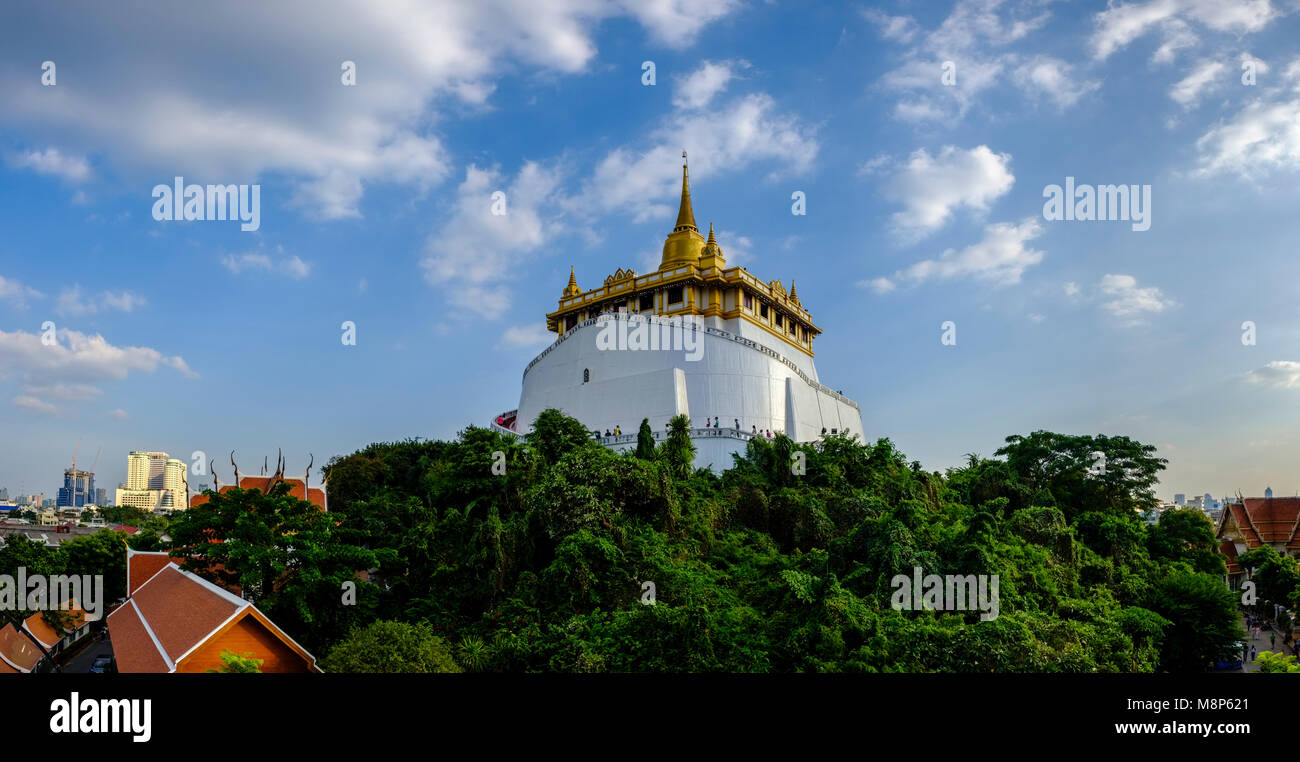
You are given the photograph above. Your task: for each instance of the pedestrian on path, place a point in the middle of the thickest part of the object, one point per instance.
(1272, 640)
(1252, 653)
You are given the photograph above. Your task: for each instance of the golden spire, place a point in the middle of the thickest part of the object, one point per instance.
(685, 244)
(794, 292)
(572, 289)
(712, 241)
(685, 216)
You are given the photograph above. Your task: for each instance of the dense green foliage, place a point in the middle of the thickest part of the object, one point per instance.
(101, 553)
(760, 569)
(383, 647)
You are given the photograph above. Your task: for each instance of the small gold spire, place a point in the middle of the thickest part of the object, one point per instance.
(685, 215)
(794, 292)
(712, 241)
(572, 289)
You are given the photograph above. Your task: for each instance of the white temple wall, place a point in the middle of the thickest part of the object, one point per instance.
(729, 380)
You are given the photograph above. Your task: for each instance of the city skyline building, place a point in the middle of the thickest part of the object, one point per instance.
(78, 489)
(154, 480)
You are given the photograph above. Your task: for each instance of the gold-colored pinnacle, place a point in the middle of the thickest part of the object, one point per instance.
(572, 289)
(685, 215)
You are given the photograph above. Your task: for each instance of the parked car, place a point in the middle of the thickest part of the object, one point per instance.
(102, 665)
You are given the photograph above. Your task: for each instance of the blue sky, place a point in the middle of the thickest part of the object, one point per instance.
(924, 205)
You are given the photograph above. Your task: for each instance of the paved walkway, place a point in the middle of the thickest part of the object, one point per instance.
(1261, 644)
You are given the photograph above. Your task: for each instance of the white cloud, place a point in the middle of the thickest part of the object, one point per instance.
(1282, 374)
(527, 336)
(897, 28)
(879, 285)
(73, 301)
(1188, 91)
(1055, 79)
(257, 261)
(1071, 289)
(1178, 35)
(697, 89)
(16, 294)
(1262, 137)
(35, 405)
(1122, 23)
(54, 162)
(931, 187)
(118, 414)
(65, 392)
(1129, 301)
(475, 249)
(999, 258)
(647, 182)
(417, 62)
(76, 357)
(974, 37)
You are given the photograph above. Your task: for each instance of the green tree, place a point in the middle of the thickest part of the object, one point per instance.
(236, 664)
(1270, 661)
(282, 553)
(1205, 625)
(679, 450)
(645, 441)
(103, 552)
(386, 647)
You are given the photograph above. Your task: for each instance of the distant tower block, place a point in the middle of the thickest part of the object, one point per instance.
(744, 357)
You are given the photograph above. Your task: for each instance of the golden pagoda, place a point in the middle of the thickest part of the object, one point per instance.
(692, 279)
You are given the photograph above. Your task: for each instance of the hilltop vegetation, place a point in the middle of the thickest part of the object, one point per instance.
(761, 569)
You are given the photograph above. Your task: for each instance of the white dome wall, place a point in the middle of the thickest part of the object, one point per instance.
(731, 379)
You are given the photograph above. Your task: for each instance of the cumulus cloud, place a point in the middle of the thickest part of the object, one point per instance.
(897, 28)
(1122, 23)
(73, 301)
(65, 392)
(16, 294)
(35, 405)
(1127, 300)
(931, 187)
(118, 414)
(52, 161)
(1188, 91)
(1280, 374)
(698, 88)
(76, 357)
(1054, 79)
(416, 63)
(1260, 138)
(532, 335)
(258, 261)
(731, 137)
(999, 258)
(974, 37)
(475, 248)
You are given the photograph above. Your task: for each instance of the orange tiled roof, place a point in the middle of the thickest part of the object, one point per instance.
(172, 613)
(38, 627)
(141, 565)
(296, 488)
(17, 650)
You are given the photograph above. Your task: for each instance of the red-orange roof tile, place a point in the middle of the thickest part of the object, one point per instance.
(133, 649)
(17, 649)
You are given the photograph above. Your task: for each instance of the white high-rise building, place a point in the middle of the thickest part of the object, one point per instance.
(153, 481)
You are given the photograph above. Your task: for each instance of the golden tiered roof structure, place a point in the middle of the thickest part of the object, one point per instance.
(692, 279)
